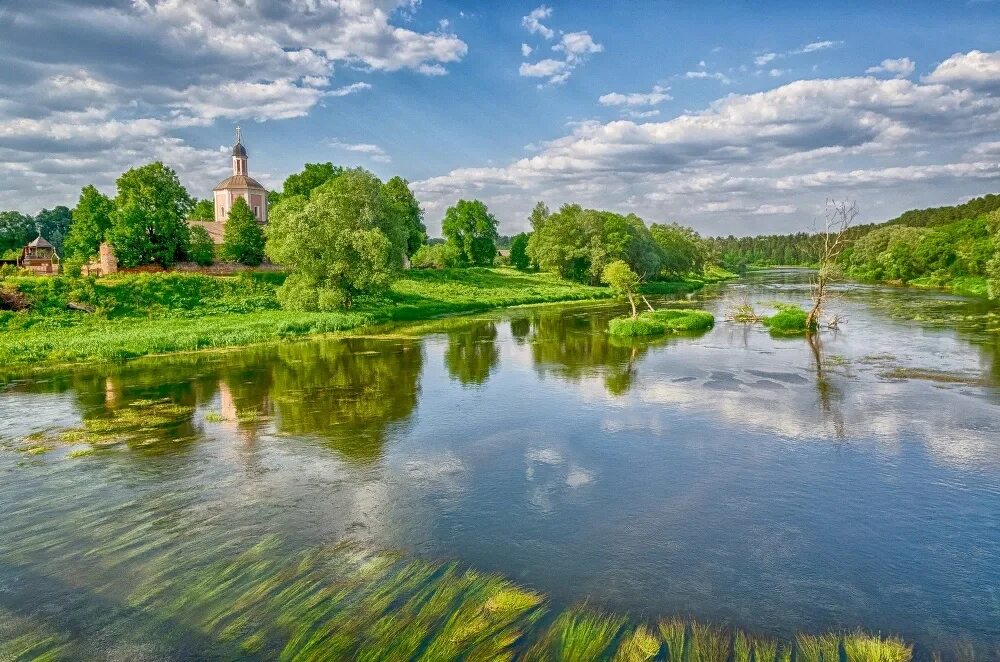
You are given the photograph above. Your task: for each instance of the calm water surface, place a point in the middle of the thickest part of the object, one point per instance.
(772, 484)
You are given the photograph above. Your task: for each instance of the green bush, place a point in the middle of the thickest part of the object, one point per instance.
(201, 249)
(436, 256)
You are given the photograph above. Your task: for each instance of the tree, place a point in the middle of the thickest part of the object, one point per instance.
(312, 177)
(434, 256)
(681, 249)
(833, 239)
(54, 225)
(201, 249)
(204, 210)
(343, 240)
(242, 237)
(16, 230)
(149, 223)
(620, 278)
(91, 220)
(993, 268)
(561, 242)
(471, 230)
(398, 194)
(519, 251)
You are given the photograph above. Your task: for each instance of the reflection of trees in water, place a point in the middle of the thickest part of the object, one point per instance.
(472, 352)
(346, 392)
(575, 346)
(831, 396)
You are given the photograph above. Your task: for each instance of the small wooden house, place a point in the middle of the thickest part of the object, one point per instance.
(40, 257)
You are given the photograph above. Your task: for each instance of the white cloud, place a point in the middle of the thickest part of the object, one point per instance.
(893, 143)
(902, 67)
(763, 59)
(974, 69)
(374, 152)
(774, 73)
(819, 46)
(576, 47)
(533, 21)
(349, 89)
(713, 75)
(100, 88)
(656, 96)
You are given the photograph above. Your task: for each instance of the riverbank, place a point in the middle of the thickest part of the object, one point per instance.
(145, 314)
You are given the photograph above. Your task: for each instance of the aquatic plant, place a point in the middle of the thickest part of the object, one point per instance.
(789, 320)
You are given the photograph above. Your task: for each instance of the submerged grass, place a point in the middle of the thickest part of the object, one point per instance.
(658, 322)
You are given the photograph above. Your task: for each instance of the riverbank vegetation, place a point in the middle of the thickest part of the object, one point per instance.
(955, 247)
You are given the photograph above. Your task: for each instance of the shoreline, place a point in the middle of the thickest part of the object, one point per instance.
(422, 297)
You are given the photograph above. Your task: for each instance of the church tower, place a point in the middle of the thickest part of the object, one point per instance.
(239, 185)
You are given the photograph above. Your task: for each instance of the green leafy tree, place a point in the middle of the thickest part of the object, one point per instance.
(201, 249)
(434, 256)
(682, 250)
(519, 258)
(204, 210)
(243, 238)
(993, 268)
(54, 225)
(561, 241)
(91, 220)
(398, 194)
(16, 230)
(344, 240)
(312, 177)
(149, 223)
(620, 278)
(471, 230)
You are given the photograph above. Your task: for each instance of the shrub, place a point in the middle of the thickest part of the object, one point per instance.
(201, 249)
(436, 256)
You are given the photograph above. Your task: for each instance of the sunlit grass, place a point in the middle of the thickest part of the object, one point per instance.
(658, 322)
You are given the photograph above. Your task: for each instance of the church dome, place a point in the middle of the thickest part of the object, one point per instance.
(239, 182)
(239, 150)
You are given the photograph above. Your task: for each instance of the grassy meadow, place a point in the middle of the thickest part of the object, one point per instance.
(141, 314)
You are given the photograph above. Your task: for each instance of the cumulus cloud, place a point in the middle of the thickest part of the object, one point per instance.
(901, 68)
(576, 47)
(533, 22)
(893, 143)
(974, 69)
(105, 86)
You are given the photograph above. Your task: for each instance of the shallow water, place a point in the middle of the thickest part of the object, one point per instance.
(772, 484)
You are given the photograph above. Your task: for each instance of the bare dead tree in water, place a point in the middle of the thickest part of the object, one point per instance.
(839, 217)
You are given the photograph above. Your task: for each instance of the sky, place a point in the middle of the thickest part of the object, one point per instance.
(731, 117)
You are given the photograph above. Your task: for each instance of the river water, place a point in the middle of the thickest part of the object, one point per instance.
(773, 484)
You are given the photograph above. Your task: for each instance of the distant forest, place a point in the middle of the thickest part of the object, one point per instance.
(940, 243)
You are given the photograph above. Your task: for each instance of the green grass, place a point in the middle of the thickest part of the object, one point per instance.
(971, 286)
(142, 314)
(788, 321)
(659, 322)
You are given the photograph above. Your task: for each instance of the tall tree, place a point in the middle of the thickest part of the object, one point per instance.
(204, 210)
(519, 258)
(471, 230)
(343, 240)
(312, 176)
(201, 248)
(54, 225)
(16, 230)
(682, 250)
(91, 220)
(149, 223)
(243, 238)
(398, 194)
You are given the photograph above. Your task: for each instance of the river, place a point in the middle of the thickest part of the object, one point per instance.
(772, 484)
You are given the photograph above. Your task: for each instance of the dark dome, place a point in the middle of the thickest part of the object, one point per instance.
(238, 150)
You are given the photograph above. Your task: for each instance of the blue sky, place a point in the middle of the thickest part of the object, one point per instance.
(732, 117)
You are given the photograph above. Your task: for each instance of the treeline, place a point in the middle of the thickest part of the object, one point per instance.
(17, 229)
(936, 246)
